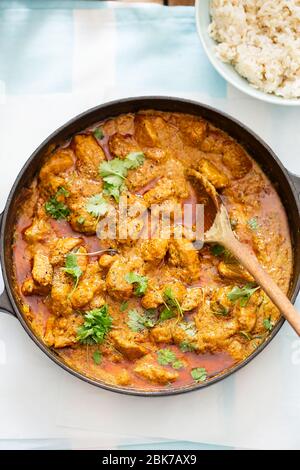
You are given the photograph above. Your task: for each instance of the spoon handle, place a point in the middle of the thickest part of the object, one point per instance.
(249, 261)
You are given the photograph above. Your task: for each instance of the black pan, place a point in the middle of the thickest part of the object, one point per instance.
(287, 185)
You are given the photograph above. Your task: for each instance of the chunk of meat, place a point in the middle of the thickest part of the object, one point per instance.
(97, 302)
(51, 174)
(147, 369)
(83, 260)
(106, 260)
(183, 255)
(234, 271)
(80, 219)
(214, 141)
(62, 247)
(154, 250)
(165, 189)
(237, 350)
(163, 332)
(214, 333)
(38, 231)
(145, 131)
(143, 175)
(192, 298)
(42, 271)
(89, 155)
(121, 145)
(90, 284)
(153, 296)
(192, 129)
(213, 174)
(246, 317)
(156, 154)
(123, 377)
(116, 284)
(178, 289)
(62, 331)
(129, 344)
(236, 160)
(30, 287)
(62, 287)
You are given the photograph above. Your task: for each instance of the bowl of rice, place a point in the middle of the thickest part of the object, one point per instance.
(254, 45)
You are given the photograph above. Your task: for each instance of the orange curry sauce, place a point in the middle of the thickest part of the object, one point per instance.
(221, 331)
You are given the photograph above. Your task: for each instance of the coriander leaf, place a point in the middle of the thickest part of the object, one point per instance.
(165, 357)
(253, 223)
(98, 133)
(72, 268)
(242, 294)
(115, 171)
(177, 364)
(140, 281)
(268, 324)
(217, 250)
(97, 356)
(62, 192)
(57, 209)
(115, 167)
(97, 206)
(134, 159)
(166, 314)
(199, 374)
(171, 302)
(187, 347)
(140, 321)
(97, 324)
(123, 306)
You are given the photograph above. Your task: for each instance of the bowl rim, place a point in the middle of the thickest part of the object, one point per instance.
(218, 65)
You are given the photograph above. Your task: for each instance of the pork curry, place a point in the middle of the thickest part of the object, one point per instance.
(147, 312)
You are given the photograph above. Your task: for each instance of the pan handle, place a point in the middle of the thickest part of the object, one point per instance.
(5, 303)
(296, 181)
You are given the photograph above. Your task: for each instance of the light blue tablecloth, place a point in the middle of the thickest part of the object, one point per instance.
(58, 58)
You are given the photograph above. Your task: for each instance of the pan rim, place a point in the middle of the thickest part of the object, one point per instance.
(51, 353)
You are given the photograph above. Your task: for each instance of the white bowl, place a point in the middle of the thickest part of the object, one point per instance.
(226, 70)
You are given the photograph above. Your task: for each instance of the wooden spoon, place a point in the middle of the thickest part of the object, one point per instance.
(221, 232)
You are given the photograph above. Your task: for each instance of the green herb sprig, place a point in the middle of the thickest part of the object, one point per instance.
(97, 206)
(57, 209)
(199, 374)
(114, 173)
(97, 324)
(242, 294)
(141, 282)
(171, 302)
(167, 357)
(139, 321)
(73, 269)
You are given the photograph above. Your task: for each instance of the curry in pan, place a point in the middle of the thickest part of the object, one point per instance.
(144, 310)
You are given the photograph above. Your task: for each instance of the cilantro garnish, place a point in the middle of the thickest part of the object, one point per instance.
(141, 282)
(242, 294)
(199, 374)
(55, 208)
(97, 323)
